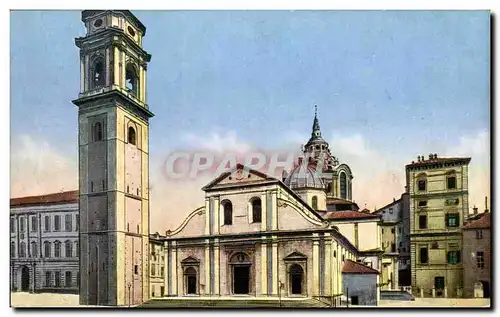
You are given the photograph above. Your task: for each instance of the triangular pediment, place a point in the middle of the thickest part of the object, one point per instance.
(190, 260)
(239, 174)
(294, 256)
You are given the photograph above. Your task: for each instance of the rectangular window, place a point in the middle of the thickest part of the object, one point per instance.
(422, 222)
(153, 273)
(47, 224)
(424, 258)
(34, 224)
(392, 230)
(399, 230)
(452, 220)
(57, 277)
(67, 279)
(57, 223)
(23, 224)
(439, 283)
(421, 185)
(479, 234)
(452, 182)
(136, 269)
(162, 271)
(47, 279)
(77, 224)
(393, 247)
(480, 259)
(422, 203)
(453, 257)
(68, 223)
(12, 225)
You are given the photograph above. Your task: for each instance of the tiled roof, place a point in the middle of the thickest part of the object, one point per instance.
(481, 223)
(349, 214)
(440, 160)
(357, 268)
(56, 198)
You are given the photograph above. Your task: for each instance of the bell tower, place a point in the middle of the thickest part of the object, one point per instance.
(113, 144)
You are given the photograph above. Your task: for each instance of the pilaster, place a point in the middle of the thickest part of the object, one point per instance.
(275, 277)
(217, 265)
(263, 264)
(207, 267)
(315, 264)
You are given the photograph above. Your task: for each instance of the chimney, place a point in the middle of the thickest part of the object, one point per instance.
(418, 158)
(475, 210)
(431, 156)
(486, 204)
(423, 158)
(394, 199)
(435, 156)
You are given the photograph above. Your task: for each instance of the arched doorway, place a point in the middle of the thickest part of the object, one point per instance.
(25, 279)
(296, 279)
(190, 280)
(240, 267)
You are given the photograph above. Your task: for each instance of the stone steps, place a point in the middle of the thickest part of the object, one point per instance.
(232, 303)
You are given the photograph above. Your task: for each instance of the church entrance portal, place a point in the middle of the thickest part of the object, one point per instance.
(241, 279)
(241, 264)
(25, 279)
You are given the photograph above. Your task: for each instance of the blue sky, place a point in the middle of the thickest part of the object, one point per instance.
(406, 82)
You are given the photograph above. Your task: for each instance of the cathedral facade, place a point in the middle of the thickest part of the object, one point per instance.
(264, 237)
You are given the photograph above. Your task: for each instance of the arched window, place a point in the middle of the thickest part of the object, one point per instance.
(68, 246)
(47, 249)
(131, 78)
(98, 74)
(314, 202)
(12, 250)
(256, 210)
(34, 249)
(343, 185)
(97, 132)
(131, 135)
(228, 212)
(57, 249)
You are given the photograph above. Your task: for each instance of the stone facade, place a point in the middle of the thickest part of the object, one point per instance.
(44, 243)
(477, 257)
(278, 246)
(156, 266)
(438, 189)
(396, 242)
(113, 144)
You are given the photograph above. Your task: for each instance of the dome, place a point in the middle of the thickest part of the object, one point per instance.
(304, 176)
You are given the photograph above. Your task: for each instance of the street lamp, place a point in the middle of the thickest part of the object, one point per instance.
(129, 286)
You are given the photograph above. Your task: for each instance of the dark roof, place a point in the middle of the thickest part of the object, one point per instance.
(439, 160)
(349, 214)
(352, 267)
(56, 198)
(482, 223)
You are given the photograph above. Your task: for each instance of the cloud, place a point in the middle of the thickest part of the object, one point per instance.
(38, 168)
(477, 147)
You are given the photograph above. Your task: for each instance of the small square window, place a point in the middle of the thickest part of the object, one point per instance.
(422, 203)
(421, 185)
(479, 234)
(452, 220)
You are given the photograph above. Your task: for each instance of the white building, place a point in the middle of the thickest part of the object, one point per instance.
(44, 243)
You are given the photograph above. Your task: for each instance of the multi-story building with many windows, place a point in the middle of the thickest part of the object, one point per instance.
(438, 189)
(44, 243)
(395, 232)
